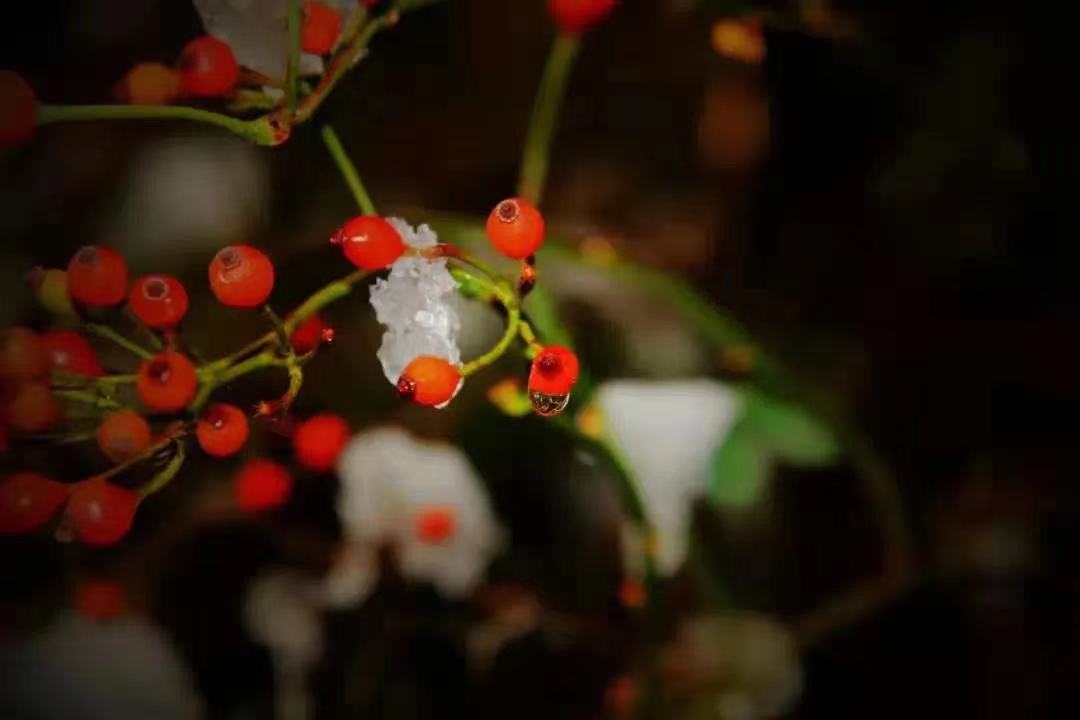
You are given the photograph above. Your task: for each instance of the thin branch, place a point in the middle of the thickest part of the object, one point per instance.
(258, 130)
(107, 333)
(348, 170)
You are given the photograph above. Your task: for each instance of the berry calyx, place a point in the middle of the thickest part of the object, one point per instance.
(516, 228)
(241, 276)
(100, 600)
(100, 513)
(32, 409)
(97, 276)
(123, 434)
(28, 500)
(429, 380)
(369, 242)
(160, 301)
(321, 27)
(310, 334)
(318, 441)
(20, 109)
(261, 485)
(435, 524)
(68, 351)
(554, 371)
(166, 382)
(576, 16)
(149, 84)
(22, 355)
(222, 430)
(208, 68)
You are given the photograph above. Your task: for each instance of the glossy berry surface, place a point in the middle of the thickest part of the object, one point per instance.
(208, 68)
(100, 513)
(577, 16)
(123, 434)
(18, 109)
(68, 351)
(222, 430)
(149, 84)
(100, 600)
(369, 242)
(261, 485)
(318, 441)
(429, 380)
(554, 371)
(28, 500)
(241, 276)
(32, 409)
(435, 524)
(97, 276)
(167, 382)
(516, 228)
(22, 355)
(310, 334)
(322, 25)
(160, 301)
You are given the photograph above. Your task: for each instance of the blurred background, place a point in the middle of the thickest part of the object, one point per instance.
(882, 196)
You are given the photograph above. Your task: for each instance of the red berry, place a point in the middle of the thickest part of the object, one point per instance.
(318, 441)
(435, 524)
(429, 380)
(68, 351)
(100, 513)
(261, 485)
(322, 25)
(307, 336)
(33, 409)
(241, 276)
(208, 68)
(22, 355)
(97, 276)
(554, 371)
(101, 600)
(222, 430)
(167, 382)
(160, 301)
(577, 16)
(123, 434)
(19, 113)
(369, 242)
(516, 228)
(149, 84)
(28, 500)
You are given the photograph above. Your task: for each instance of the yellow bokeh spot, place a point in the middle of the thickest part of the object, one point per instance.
(590, 422)
(598, 250)
(740, 40)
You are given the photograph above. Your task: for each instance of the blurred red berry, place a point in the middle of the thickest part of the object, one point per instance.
(577, 16)
(123, 434)
(222, 430)
(100, 513)
(18, 109)
(322, 25)
(554, 371)
(241, 276)
(28, 500)
(32, 409)
(97, 276)
(166, 382)
(160, 301)
(261, 485)
(149, 84)
(208, 68)
(435, 524)
(22, 355)
(307, 336)
(318, 441)
(70, 352)
(369, 242)
(429, 380)
(101, 600)
(516, 228)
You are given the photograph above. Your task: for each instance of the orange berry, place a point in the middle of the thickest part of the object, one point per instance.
(160, 301)
(554, 371)
(149, 84)
(101, 600)
(28, 500)
(22, 355)
(435, 524)
(69, 351)
(429, 380)
(208, 68)
(318, 441)
(309, 334)
(19, 113)
(97, 276)
(123, 434)
(241, 276)
(322, 25)
(33, 409)
(516, 228)
(222, 430)
(167, 382)
(369, 242)
(99, 512)
(261, 485)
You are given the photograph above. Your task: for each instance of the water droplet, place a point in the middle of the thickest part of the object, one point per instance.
(548, 405)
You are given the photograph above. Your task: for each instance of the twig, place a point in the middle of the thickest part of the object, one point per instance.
(348, 170)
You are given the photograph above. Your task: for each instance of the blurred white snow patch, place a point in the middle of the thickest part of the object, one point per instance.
(417, 304)
(390, 480)
(121, 670)
(667, 432)
(188, 194)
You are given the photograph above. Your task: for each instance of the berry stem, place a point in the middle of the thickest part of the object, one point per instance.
(293, 21)
(508, 300)
(174, 433)
(348, 170)
(88, 398)
(167, 473)
(257, 130)
(545, 117)
(283, 345)
(107, 333)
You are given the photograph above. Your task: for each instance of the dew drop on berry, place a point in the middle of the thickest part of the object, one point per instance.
(548, 405)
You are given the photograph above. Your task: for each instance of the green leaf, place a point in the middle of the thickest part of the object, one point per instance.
(789, 432)
(738, 469)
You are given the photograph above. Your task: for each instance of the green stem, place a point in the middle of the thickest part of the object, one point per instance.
(293, 22)
(513, 318)
(87, 398)
(348, 170)
(166, 474)
(107, 333)
(545, 117)
(282, 335)
(257, 130)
